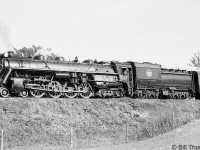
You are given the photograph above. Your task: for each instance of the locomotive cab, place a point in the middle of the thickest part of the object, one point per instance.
(125, 73)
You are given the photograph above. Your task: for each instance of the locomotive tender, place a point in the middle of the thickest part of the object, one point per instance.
(59, 78)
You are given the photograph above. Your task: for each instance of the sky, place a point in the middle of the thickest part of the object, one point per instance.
(166, 32)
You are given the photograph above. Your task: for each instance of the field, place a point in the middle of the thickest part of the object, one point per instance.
(60, 124)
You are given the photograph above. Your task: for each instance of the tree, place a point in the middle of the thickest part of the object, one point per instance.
(195, 60)
(27, 52)
(30, 52)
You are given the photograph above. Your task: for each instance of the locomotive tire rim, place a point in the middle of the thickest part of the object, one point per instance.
(4, 92)
(23, 93)
(87, 90)
(70, 88)
(37, 93)
(54, 86)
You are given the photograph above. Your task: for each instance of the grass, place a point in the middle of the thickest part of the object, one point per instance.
(46, 123)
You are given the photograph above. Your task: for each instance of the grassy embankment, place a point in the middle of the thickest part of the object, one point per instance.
(47, 124)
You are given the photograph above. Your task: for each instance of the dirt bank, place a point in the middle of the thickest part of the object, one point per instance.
(60, 124)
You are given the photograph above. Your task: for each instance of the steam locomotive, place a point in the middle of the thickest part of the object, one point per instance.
(38, 77)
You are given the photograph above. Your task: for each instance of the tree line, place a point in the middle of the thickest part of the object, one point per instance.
(30, 52)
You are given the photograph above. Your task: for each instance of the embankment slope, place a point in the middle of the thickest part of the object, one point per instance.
(58, 124)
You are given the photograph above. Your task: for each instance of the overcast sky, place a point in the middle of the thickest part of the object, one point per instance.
(158, 31)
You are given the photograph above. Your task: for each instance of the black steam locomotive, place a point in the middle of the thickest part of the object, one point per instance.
(59, 78)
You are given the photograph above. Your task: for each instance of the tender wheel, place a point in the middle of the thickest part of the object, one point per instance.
(86, 89)
(176, 97)
(4, 92)
(70, 88)
(152, 96)
(23, 93)
(182, 97)
(55, 86)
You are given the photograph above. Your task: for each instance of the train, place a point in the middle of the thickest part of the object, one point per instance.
(38, 77)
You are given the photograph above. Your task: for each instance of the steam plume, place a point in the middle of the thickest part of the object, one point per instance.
(5, 37)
